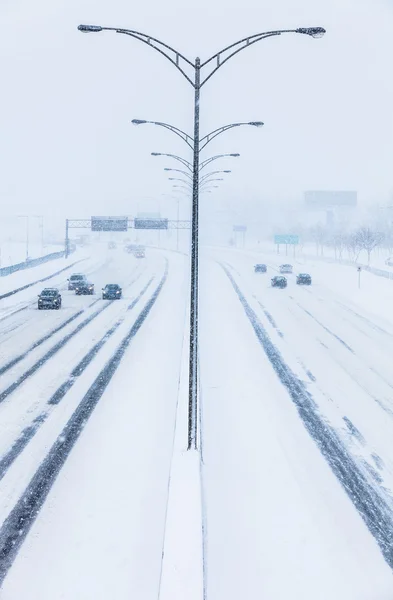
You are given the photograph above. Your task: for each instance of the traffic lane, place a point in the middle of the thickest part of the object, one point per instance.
(104, 519)
(272, 504)
(21, 331)
(351, 381)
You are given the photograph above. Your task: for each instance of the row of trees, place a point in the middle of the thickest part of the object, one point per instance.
(353, 242)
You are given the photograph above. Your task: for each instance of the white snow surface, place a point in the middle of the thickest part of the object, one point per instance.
(12, 253)
(128, 515)
(279, 524)
(100, 533)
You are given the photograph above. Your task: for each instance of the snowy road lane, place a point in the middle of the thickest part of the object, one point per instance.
(344, 358)
(101, 528)
(278, 521)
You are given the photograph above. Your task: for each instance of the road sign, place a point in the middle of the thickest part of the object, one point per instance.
(151, 223)
(109, 223)
(323, 199)
(286, 239)
(241, 228)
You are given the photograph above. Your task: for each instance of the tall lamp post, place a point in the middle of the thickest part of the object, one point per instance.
(193, 71)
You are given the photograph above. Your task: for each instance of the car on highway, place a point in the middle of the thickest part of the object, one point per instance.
(75, 280)
(139, 253)
(279, 281)
(49, 298)
(303, 279)
(260, 268)
(84, 288)
(286, 269)
(112, 291)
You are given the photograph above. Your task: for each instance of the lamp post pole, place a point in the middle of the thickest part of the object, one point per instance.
(183, 64)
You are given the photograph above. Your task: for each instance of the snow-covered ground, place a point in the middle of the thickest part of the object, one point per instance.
(104, 519)
(295, 497)
(308, 251)
(12, 253)
(278, 521)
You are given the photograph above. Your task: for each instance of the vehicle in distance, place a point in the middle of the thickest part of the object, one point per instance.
(139, 253)
(112, 245)
(75, 280)
(303, 279)
(112, 291)
(279, 281)
(286, 269)
(85, 287)
(389, 261)
(260, 268)
(49, 298)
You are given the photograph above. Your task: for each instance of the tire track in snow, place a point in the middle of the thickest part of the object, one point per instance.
(46, 337)
(29, 432)
(18, 523)
(372, 504)
(54, 350)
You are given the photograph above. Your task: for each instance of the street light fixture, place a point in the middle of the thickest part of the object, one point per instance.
(179, 171)
(204, 177)
(183, 161)
(194, 71)
(203, 164)
(207, 161)
(188, 139)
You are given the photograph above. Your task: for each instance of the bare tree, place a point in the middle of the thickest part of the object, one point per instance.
(320, 236)
(367, 239)
(339, 242)
(352, 246)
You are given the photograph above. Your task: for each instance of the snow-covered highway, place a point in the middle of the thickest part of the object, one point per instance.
(296, 397)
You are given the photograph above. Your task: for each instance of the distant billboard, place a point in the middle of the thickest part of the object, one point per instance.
(286, 239)
(241, 228)
(321, 200)
(109, 223)
(150, 223)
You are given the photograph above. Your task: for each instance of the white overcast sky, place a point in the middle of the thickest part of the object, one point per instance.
(67, 99)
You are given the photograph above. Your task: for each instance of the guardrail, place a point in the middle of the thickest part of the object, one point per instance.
(30, 263)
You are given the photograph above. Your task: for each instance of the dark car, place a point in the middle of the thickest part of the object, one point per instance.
(75, 280)
(260, 268)
(85, 287)
(279, 281)
(49, 298)
(112, 291)
(303, 279)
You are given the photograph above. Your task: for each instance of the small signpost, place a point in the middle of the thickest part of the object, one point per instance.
(359, 272)
(288, 240)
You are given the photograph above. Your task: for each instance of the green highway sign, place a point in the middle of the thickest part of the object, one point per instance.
(286, 239)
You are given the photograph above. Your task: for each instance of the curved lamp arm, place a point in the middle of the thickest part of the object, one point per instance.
(173, 55)
(179, 132)
(237, 47)
(183, 161)
(213, 134)
(179, 171)
(204, 177)
(207, 161)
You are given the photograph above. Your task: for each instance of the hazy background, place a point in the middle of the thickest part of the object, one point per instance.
(67, 147)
